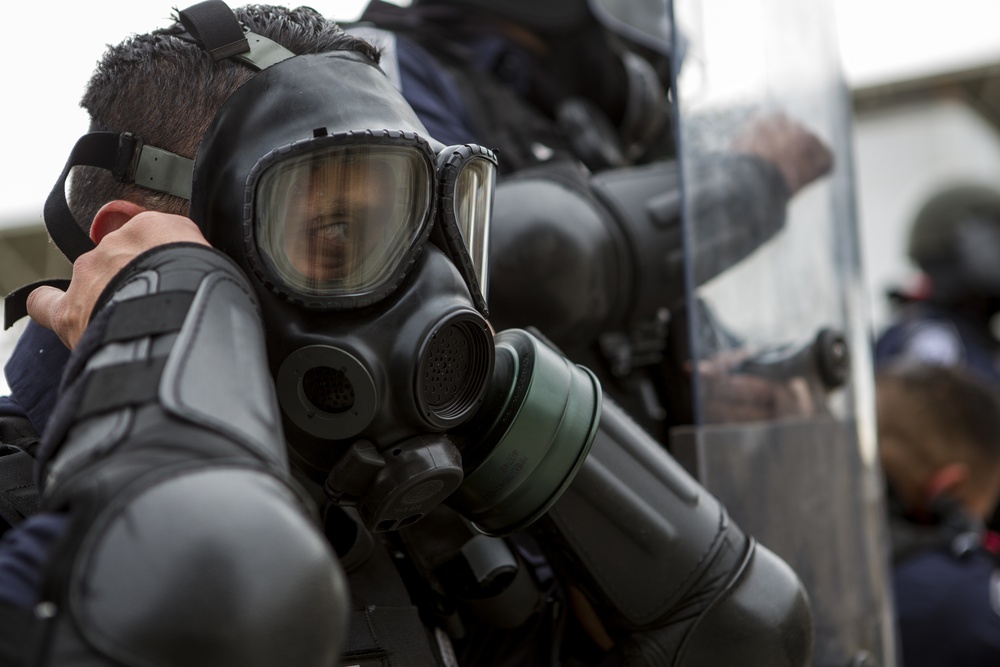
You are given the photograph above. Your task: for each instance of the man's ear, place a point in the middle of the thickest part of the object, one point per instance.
(112, 216)
(946, 480)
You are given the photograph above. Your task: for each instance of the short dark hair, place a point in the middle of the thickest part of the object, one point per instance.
(941, 414)
(166, 91)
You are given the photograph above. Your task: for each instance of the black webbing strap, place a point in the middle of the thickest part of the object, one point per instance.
(388, 636)
(17, 630)
(18, 494)
(125, 156)
(15, 304)
(215, 26)
(142, 316)
(15, 429)
(149, 315)
(107, 150)
(385, 627)
(120, 386)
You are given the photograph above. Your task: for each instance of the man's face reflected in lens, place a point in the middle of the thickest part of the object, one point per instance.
(336, 217)
(342, 221)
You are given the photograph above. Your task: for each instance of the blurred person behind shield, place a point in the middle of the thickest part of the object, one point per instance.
(939, 445)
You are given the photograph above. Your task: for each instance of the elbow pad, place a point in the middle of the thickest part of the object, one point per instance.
(188, 542)
(583, 257)
(678, 582)
(580, 256)
(558, 261)
(762, 619)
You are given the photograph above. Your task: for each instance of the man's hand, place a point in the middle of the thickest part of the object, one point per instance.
(729, 396)
(67, 313)
(799, 155)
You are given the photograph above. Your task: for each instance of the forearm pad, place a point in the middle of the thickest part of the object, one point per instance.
(188, 543)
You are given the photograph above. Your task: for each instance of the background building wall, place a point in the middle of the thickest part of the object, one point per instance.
(904, 152)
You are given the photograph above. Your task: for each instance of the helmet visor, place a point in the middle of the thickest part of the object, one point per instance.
(343, 220)
(645, 22)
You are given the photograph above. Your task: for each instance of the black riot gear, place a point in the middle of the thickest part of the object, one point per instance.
(372, 293)
(601, 74)
(627, 283)
(955, 238)
(393, 390)
(149, 433)
(646, 22)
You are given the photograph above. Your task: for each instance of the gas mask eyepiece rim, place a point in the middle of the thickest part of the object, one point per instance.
(267, 256)
(466, 183)
(454, 212)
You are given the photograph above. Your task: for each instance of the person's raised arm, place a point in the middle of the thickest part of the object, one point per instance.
(187, 543)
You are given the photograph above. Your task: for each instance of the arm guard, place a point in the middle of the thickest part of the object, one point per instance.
(187, 542)
(677, 581)
(579, 256)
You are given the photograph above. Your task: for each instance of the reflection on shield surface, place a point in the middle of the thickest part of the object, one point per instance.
(777, 325)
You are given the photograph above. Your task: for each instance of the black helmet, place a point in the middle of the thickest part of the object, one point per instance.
(551, 15)
(605, 58)
(643, 22)
(955, 240)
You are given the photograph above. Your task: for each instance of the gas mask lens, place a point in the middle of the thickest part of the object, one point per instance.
(473, 208)
(340, 221)
(468, 176)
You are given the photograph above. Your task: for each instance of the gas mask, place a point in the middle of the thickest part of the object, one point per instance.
(366, 244)
(367, 247)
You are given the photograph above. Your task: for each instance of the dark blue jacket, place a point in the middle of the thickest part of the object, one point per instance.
(948, 608)
(33, 373)
(931, 333)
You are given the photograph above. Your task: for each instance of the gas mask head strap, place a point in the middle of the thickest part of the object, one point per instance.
(213, 26)
(129, 161)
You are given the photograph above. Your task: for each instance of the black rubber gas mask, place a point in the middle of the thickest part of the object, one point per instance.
(368, 249)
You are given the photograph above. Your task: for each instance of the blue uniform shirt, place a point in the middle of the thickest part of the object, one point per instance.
(33, 372)
(948, 608)
(933, 334)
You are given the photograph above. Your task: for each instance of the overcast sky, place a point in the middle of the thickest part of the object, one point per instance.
(52, 48)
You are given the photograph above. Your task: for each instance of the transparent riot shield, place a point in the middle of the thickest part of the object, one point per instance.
(782, 384)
